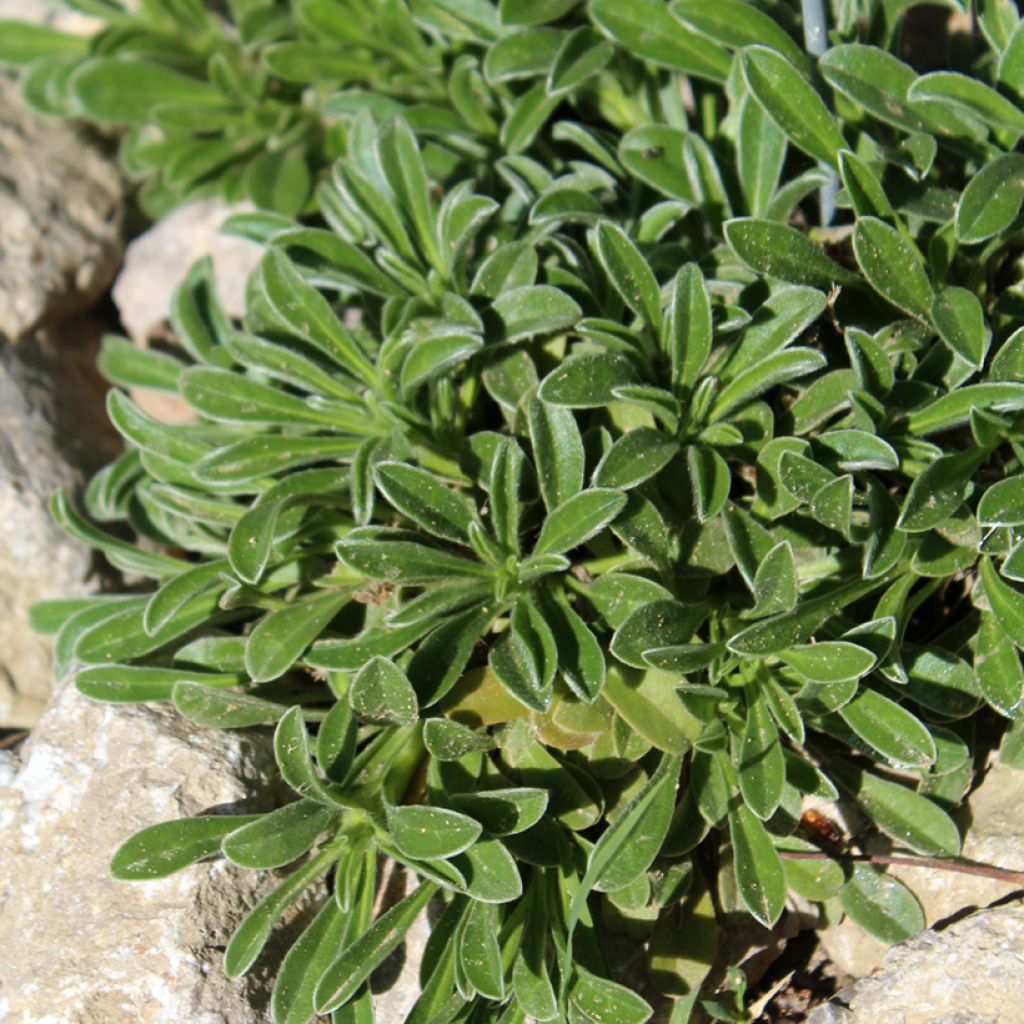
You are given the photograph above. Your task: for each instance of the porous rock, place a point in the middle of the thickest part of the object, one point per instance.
(51, 421)
(60, 218)
(970, 972)
(78, 947)
(60, 243)
(994, 834)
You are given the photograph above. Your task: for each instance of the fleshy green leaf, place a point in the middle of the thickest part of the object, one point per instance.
(710, 481)
(882, 905)
(251, 935)
(761, 767)
(490, 872)
(403, 561)
(1006, 602)
(900, 737)
(791, 102)
(959, 319)
(557, 452)
(534, 309)
(954, 408)
(294, 759)
(304, 311)
(505, 811)
(970, 95)
(381, 692)
(342, 979)
(123, 363)
(281, 636)
(425, 500)
(628, 272)
(277, 838)
(646, 29)
(907, 817)
(781, 251)
(1003, 503)
(577, 519)
(646, 824)
(686, 331)
(759, 875)
(222, 709)
(635, 457)
(430, 832)
(398, 154)
(525, 657)
(863, 187)
(480, 953)
(736, 24)
(893, 266)
(992, 199)
(160, 850)
(829, 661)
(593, 999)
(997, 667)
(292, 999)
(657, 623)
(120, 90)
(587, 381)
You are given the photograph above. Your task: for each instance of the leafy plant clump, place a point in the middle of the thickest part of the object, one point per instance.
(576, 515)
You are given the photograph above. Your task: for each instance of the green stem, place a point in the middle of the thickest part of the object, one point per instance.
(608, 563)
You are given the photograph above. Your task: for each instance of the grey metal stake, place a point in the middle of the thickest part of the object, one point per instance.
(816, 43)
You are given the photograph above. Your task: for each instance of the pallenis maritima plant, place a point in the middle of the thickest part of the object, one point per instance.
(575, 516)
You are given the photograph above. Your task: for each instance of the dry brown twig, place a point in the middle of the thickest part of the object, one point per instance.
(964, 867)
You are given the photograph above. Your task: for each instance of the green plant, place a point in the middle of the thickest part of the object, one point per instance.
(627, 513)
(254, 99)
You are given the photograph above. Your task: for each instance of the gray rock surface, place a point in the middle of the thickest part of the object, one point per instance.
(995, 835)
(60, 218)
(60, 243)
(830, 1013)
(971, 972)
(77, 947)
(51, 419)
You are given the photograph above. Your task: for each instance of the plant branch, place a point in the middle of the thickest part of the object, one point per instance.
(14, 738)
(964, 867)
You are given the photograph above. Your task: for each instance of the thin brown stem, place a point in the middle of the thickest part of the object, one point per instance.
(964, 867)
(10, 741)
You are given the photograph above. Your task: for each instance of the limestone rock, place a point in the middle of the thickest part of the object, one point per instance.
(994, 835)
(60, 218)
(60, 243)
(971, 972)
(830, 1013)
(157, 260)
(51, 420)
(76, 946)
(851, 949)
